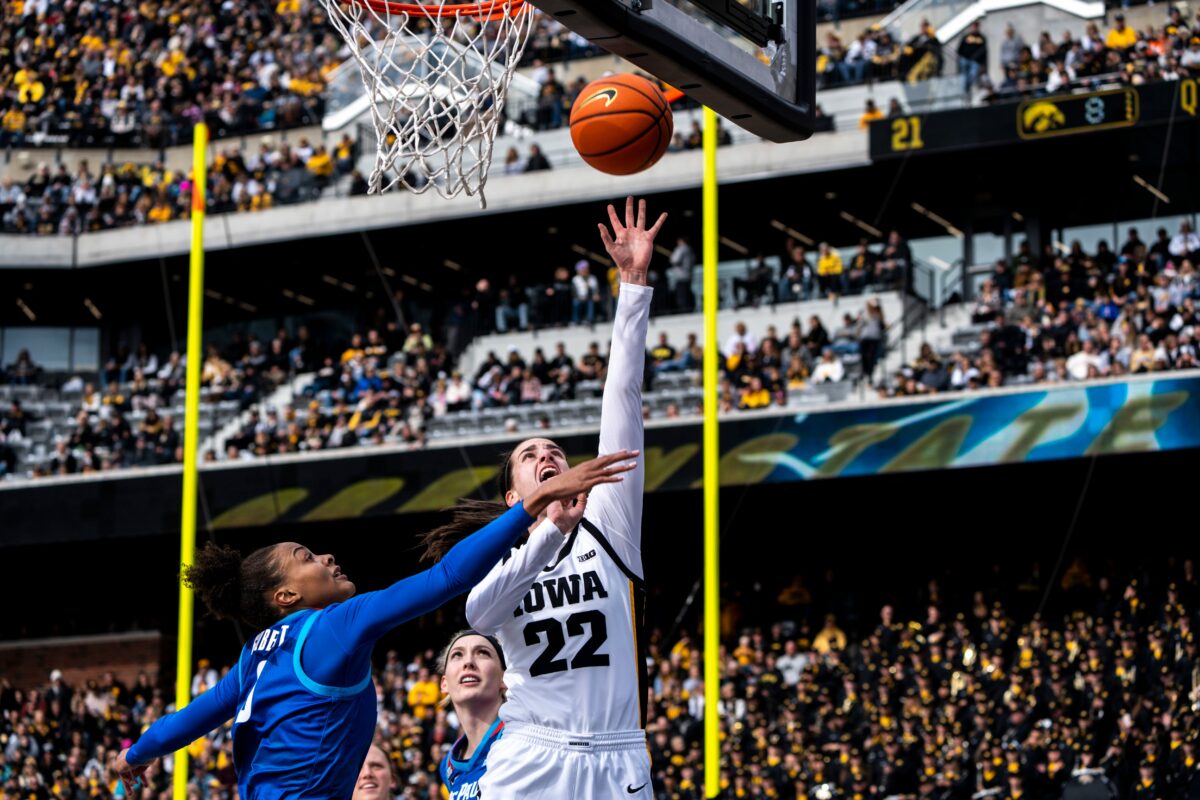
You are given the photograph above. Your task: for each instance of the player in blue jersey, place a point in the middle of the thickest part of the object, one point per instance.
(301, 695)
(472, 668)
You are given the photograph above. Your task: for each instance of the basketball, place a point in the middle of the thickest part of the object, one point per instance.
(621, 124)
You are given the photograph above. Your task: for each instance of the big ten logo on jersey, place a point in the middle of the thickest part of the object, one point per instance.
(269, 639)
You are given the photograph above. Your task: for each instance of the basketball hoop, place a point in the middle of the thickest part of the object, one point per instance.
(437, 76)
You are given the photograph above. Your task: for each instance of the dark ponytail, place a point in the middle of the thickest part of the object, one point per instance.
(468, 516)
(234, 587)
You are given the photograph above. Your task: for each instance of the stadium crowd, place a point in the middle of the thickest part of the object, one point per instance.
(1067, 315)
(142, 74)
(68, 203)
(136, 75)
(1073, 315)
(955, 700)
(1169, 51)
(1093, 56)
(387, 387)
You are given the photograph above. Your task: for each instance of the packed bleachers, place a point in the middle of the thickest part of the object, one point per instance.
(129, 74)
(1071, 315)
(413, 393)
(69, 203)
(401, 387)
(129, 415)
(1116, 54)
(396, 386)
(1089, 55)
(948, 698)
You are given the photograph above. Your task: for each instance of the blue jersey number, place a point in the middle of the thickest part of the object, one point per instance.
(246, 710)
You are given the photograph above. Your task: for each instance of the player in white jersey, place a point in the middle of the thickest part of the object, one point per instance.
(567, 605)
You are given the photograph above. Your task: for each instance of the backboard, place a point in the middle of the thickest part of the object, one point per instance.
(752, 61)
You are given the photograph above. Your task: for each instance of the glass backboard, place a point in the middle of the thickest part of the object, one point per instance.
(752, 61)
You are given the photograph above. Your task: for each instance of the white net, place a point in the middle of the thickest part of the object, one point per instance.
(437, 78)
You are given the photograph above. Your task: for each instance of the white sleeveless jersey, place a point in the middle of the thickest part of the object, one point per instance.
(568, 610)
(575, 660)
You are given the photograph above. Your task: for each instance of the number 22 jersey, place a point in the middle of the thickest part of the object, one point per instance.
(568, 610)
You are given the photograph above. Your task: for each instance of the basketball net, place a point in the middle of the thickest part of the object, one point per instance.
(437, 76)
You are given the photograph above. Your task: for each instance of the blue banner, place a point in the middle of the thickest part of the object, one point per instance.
(966, 430)
(951, 431)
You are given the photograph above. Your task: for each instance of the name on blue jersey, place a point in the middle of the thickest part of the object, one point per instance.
(269, 639)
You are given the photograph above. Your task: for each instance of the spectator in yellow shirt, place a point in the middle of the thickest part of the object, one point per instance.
(343, 155)
(160, 211)
(320, 164)
(830, 272)
(830, 638)
(756, 395)
(31, 92)
(871, 114)
(1121, 37)
(355, 351)
(424, 694)
(307, 86)
(12, 126)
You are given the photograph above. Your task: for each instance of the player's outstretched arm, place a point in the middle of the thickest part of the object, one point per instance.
(206, 713)
(348, 631)
(631, 246)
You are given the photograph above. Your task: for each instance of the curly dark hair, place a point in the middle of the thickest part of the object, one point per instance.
(236, 587)
(467, 516)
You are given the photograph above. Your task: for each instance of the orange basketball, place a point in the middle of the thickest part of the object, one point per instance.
(621, 124)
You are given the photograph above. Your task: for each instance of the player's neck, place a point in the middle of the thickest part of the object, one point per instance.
(475, 724)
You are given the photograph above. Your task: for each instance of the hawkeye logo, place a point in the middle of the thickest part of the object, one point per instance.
(607, 95)
(1041, 117)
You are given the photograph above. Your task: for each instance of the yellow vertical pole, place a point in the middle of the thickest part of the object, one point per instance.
(191, 442)
(712, 487)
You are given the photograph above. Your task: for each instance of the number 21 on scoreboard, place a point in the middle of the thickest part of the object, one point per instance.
(906, 134)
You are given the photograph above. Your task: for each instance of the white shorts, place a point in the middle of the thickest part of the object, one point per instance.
(534, 763)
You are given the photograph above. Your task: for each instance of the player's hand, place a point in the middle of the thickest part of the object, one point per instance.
(130, 775)
(580, 480)
(565, 514)
(631, 245)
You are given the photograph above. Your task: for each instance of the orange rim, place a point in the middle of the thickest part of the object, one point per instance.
(483, 9)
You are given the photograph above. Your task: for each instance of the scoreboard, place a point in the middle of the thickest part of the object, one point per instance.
(1036, 118)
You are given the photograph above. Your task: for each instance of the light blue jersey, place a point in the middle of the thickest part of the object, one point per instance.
(461, 776)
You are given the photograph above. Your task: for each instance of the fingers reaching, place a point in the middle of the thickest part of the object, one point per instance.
(629, 218)
(641, 214)
(605, 237)
(657, 225)
(618, 228)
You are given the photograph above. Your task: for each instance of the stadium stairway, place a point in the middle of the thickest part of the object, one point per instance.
(940, 329)
(282, 397)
